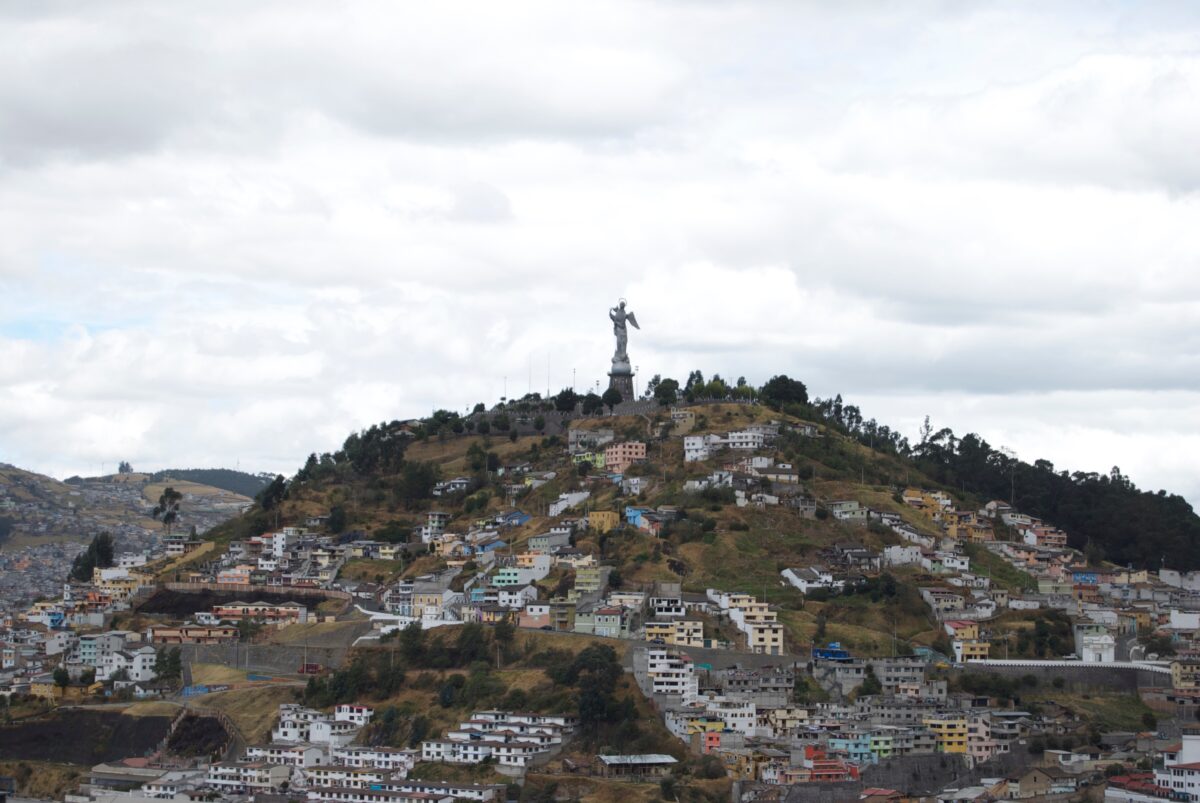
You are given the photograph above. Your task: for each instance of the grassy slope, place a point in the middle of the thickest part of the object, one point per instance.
(747, 559)
(41, 780)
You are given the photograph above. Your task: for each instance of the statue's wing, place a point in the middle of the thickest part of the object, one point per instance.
(632, 319)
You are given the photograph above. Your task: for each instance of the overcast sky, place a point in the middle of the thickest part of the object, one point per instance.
(231, 233)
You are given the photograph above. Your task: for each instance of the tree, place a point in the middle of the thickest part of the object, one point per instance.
(275, 492)
(870, 684)
(412, 641)
(62, 678)
(504, 632)
(167, 509)
(337, 519)
(666, 392)
(124, 468)
(479, 408)
(781, 390)
(98, 555)
(611, 398)
(175, 664)
(592, 403)
(539, 423)
(87, 677)
(566, 400)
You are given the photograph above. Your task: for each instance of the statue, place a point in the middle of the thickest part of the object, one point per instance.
(619, 316)
(620, 378)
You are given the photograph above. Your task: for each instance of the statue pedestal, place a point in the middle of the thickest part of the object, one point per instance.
(621, 378)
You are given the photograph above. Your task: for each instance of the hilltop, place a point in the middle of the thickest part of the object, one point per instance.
(385, 479)
(38, 508)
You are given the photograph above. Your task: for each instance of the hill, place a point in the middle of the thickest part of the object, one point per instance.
(225, 479)
(38, 508)
(381, 483)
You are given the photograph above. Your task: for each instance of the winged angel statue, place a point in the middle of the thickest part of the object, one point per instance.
(619, 317)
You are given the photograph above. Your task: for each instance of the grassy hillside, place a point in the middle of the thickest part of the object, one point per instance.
(380, 484)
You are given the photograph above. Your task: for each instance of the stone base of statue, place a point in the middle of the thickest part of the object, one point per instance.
(621, 378)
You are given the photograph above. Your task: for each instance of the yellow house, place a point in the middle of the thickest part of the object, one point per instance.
(765, 638)
(1185, 675)
(677, 632)
(705, 723)
(494, 614)
(391, 551)
(951, 733)
(589, 579)
(971, 650)
(603, 520)
(47, 689)
(962, 628)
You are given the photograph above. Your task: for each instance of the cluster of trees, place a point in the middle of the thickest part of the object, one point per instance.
(594, 672)
(1125, 524)
(98, 555)
(668, 391)
(588, 680)
(1051, 636)
(227, 479)
(589, 403)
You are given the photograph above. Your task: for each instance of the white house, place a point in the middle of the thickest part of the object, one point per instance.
(567, 501)
(359, 715)
(289, 755)
(1098, 648)
(811, 577)
(902, 555)
(137, 664)
(1181, 769)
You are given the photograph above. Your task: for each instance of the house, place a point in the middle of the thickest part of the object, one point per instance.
(290, 755)
(43, 686)
(745, 439)
(136, 664)
(588, 440)
(450, 487)
(700, 447)
(849, 510)
(245, 777)
(567, 501)
(1041, 782)
(1181, 767)
(810, 578)
(638, 767)
(618, 457)
(548, 541)
(676, 632)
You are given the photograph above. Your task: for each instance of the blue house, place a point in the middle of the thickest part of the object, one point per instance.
(513, 518)
(856, 746)
(833, 652)
(633, 515)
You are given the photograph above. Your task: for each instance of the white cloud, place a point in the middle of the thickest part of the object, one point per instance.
(241, 234)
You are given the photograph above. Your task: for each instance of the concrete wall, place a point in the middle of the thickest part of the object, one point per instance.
(1079, 676)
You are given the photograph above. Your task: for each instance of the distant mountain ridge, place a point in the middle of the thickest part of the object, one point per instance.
(227, 479)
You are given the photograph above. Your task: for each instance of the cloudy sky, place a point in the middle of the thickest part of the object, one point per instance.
(231, 233)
